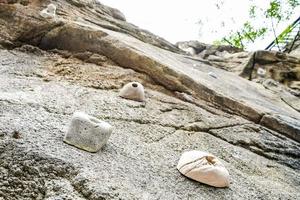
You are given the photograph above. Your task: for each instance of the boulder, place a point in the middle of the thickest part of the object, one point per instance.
(204, 50)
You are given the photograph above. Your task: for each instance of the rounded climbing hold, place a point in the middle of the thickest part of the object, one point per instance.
(133, 91)
(203, 167)
(87, 132)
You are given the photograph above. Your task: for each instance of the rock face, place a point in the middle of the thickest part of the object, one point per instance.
(275, 71)
(79, 61)
(204, 50)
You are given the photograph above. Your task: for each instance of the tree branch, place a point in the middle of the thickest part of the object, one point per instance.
(249, 37)
(228, 41)
(240, 37)
(274, 32)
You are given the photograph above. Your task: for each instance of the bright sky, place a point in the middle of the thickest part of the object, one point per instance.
(179, 20)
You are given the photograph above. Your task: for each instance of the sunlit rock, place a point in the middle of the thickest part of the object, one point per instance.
(49, 12)
(87, 132)
(115, 13)
(212, 74)
(192, 47)
(261, 72)
(232, 116)
(133, 91)
(185, 97)
(190, 50)
(203, 167)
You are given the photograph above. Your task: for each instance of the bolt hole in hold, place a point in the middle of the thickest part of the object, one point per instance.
(134, 85)
(16, 135)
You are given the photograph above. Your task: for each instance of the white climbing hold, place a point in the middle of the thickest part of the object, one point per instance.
(49, 12)
(87, 132)
(133, 91)
(212, 74)
(261, 72)
(203, 167)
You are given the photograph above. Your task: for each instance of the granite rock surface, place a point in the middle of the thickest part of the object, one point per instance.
(50, 68)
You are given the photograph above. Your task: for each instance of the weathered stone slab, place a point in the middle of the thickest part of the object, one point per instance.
(283, 124)
(142, 153)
